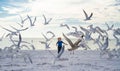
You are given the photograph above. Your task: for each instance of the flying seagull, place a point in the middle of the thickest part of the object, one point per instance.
(32, 22)
(46, 21)
(86, 15)
(73, 45)
(109, 27)
(65, 25)
(53, 35)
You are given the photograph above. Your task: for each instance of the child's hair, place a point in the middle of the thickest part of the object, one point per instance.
(59, 38)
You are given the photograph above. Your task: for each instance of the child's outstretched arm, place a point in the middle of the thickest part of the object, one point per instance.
(65, 43)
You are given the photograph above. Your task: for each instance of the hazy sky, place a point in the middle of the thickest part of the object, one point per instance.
(62, 11)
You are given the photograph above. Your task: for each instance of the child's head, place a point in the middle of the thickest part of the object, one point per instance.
(59, 38)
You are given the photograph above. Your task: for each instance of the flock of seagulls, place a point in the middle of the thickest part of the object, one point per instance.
(83, 35)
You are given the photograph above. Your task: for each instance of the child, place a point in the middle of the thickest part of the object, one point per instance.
(59, 44)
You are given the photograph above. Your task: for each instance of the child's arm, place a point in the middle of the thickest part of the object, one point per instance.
(65, 43)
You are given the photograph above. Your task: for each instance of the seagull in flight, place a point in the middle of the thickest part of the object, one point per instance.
(22, 21)
(47, 45)
(109, 27)
(32, 22)
(65, 25)
(86, 15)
(46, 39)
(46, 21)
(105, 45)
(73, 45)
(53, 35)
(87, 33)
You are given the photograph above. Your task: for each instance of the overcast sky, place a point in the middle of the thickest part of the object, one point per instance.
(62, 11)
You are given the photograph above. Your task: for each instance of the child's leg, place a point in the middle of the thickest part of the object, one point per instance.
(59, 48)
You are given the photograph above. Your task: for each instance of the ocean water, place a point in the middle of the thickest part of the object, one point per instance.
(38, 46)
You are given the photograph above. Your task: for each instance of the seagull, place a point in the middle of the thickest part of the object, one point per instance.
(32, 23)
(84, 45)
(46, 39)
(109, 27)
(53, 35)
(75, 28)
(27, 43)
(87, 33)
(76, 34)
(22, 20)
(86, 15)
(93, 30)
(105, 45)
(73, 45)
(46, 21)
(65, 25)
(47, 45)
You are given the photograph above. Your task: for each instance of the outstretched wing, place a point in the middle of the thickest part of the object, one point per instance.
(90, 15)
(49, 20)
(85, 14)
(30, 19)
(34, 21)
(78, 41)
(45, 37)
(112, 26)
(44, 19)
(68, 40)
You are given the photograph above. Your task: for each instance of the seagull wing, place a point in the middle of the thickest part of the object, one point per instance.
(13, 28)
(29, 19)
(78, 41)
(34, 21)
(44, 19)
(90, 15)
(68, 40)
(6, 29)
(44, 36)
(49, 20)
(85, 14)
(85, 30)
(112, 26)
(67, 26)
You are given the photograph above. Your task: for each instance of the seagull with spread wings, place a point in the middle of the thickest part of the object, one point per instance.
(86, 15)
(109, 27)
(46, 21)
(65, 25)
(73, 45)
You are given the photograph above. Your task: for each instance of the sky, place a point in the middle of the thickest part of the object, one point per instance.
(61, 11)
